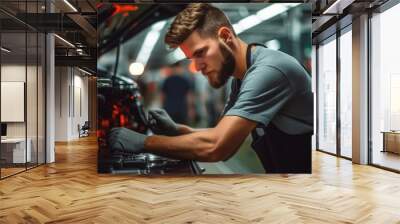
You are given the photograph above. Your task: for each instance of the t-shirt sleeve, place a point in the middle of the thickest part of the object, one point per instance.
(264, 91)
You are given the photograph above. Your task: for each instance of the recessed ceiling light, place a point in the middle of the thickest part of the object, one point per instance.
(65, 41)
(84, 71)
(70, 5)
(5, 49)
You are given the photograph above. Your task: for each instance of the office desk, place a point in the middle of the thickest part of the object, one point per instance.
(391, 141)
(13, 150)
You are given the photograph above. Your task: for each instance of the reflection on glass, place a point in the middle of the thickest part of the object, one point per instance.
(346, 94)
(385, 87)
(327, 96)
(14, 151)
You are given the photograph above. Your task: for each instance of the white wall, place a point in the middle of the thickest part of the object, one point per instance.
(13, 73)
(71, 94)
(33, 127)
(80, 110)
(61, 103)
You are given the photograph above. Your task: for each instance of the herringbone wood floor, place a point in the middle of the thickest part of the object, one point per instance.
(70, 191)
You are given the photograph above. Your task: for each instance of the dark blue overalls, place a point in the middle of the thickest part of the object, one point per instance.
(280, 152)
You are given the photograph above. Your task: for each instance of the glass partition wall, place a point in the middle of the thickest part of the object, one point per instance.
(22, 87)
(334, 94)
(13, 85)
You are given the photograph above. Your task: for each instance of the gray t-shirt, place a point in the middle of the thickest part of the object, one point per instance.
(276, 88)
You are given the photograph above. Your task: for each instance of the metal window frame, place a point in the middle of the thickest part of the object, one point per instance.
(387, 5)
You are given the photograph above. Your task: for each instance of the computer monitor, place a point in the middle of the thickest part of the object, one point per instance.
(3, 129)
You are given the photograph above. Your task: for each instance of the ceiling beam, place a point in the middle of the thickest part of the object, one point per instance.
(320, 22)
(79, 20)
(84, 24)
(337, 6)
(83, 61)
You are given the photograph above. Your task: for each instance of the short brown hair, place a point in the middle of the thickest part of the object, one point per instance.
(203, 17)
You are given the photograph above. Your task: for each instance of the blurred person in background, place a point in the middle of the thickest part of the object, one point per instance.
(177, 94)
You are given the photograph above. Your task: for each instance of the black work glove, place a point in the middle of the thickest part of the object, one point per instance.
(161, 123)
(126, 140)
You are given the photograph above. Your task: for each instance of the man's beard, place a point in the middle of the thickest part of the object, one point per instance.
(228, 66)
